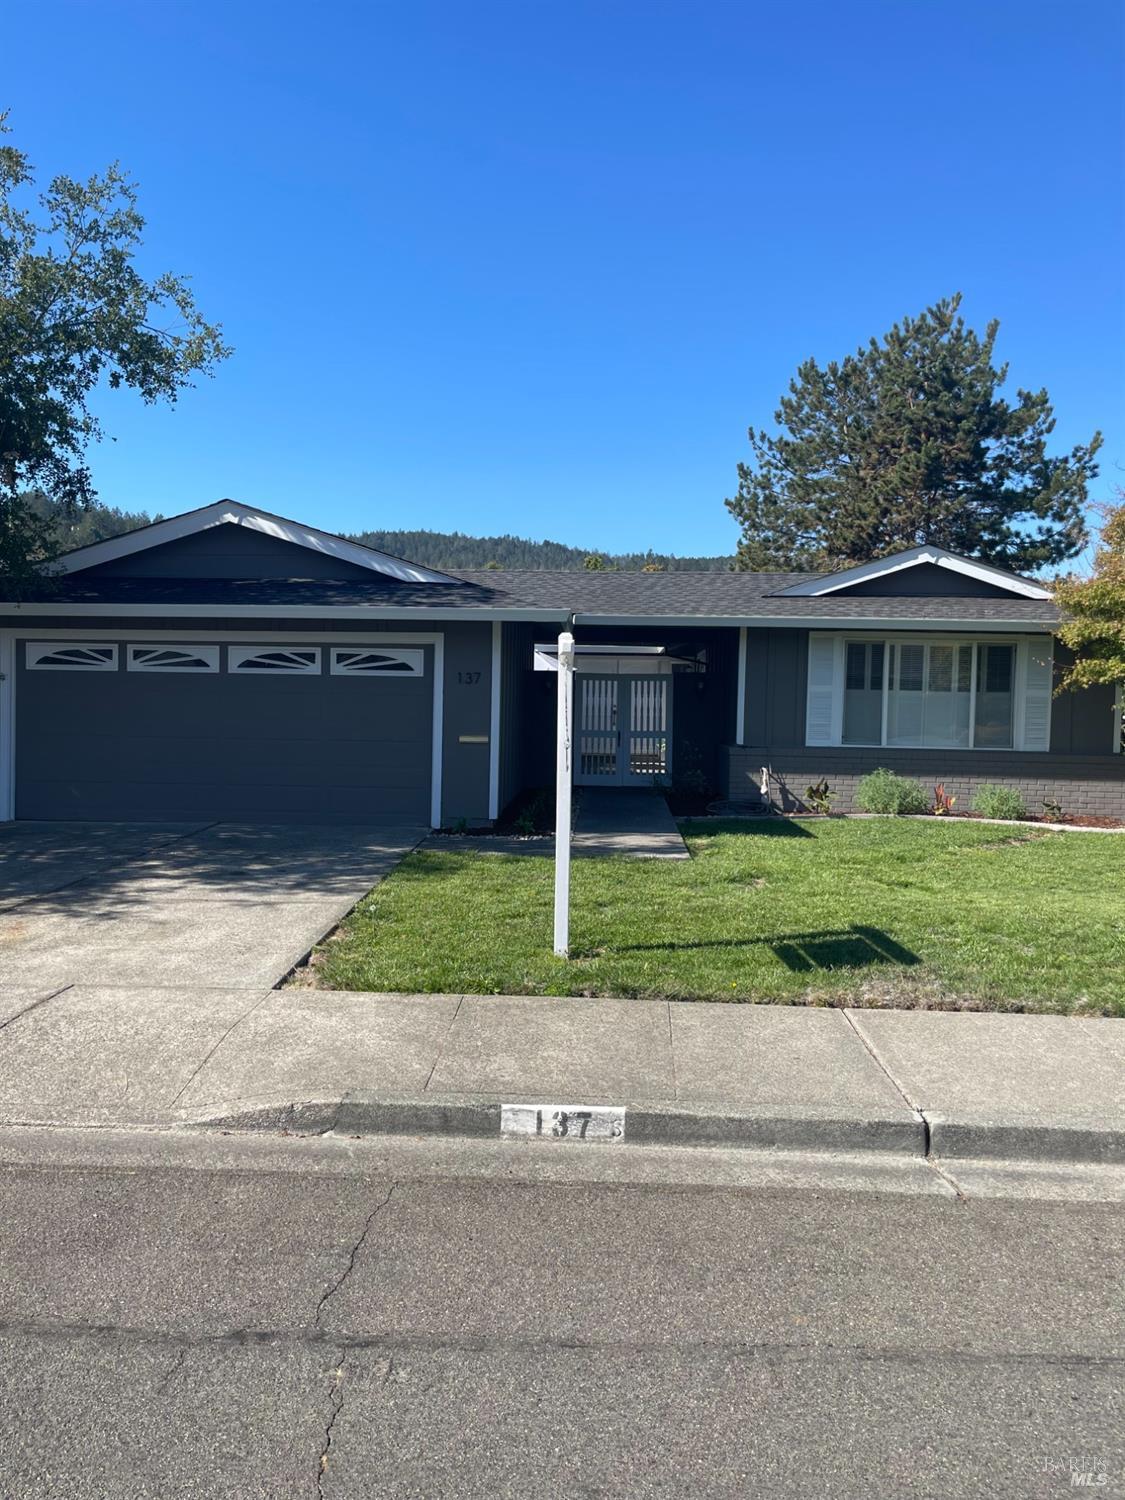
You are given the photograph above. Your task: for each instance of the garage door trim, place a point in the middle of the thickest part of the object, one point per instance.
(8, 706)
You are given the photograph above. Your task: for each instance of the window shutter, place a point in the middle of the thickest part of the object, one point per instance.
(824, 704)
(1038, 681)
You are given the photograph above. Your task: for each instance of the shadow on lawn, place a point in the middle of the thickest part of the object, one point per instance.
(802, 952)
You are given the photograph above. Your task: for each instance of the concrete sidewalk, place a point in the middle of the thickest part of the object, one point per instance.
(1031, 1088)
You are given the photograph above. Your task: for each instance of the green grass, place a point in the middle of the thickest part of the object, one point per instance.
(851, 912)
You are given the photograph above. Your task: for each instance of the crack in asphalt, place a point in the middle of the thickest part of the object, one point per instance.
(356, 1248)
(336, 1399)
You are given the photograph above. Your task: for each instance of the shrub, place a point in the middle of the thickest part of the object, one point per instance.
(885, 791)
(999, 802)
(820, 796)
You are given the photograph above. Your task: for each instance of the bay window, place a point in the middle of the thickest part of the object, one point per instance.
(929, 693)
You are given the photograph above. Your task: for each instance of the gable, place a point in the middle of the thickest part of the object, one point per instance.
(892, 576)
(226, 551)
(224, 514)
(923, 579)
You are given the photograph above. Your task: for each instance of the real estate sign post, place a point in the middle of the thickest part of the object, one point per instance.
(563, 780)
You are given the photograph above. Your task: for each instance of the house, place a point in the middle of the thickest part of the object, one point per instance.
(231, 664)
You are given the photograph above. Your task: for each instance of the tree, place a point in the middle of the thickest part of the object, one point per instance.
(909, 441)
(1094, 628)
(80, 528)
(75, 313)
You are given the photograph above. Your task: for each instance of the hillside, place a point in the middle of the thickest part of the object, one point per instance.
(434, 549)
(454, 549)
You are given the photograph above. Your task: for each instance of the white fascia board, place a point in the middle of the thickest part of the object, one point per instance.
(938, 556)
(229, 512)
(269, 612)
(893, 623)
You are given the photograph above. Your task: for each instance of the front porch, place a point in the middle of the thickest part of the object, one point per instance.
(652, 709)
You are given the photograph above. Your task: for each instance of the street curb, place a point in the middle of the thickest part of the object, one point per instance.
(652, 1124)
(1025, 1140)
(647, 1124)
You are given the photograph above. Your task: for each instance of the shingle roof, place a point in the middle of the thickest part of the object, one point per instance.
(724, 596)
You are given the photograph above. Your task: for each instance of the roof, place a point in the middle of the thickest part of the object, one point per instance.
(606, 597)
(373, 583)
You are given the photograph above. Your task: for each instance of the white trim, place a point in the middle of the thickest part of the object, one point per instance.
(232, 513)
(938, 556)
(7, 726)
(399, 614)
(209, 655)
(402, 616)
(414, 661)
(809, 622)
(36, 652)
(740, 699)
(238, 658)
(494, 722)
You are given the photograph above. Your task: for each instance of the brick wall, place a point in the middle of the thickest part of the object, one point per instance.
(1080, 783)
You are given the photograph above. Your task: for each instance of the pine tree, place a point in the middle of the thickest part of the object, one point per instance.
(909, 441)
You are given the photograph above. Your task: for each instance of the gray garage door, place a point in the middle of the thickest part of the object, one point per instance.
(261, 731)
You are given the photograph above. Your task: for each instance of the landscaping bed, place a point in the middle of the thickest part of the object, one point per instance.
(943, 912)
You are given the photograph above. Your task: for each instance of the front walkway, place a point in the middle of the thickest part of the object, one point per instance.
(633, 821)
(156, 905)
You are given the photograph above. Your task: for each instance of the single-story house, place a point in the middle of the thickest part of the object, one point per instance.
(232, 664)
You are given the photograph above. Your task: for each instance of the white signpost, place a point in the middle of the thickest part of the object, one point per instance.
(563, 781)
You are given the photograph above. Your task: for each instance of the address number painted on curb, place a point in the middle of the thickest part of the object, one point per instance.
(564, 1122)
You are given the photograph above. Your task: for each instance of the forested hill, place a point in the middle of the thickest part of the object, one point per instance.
(434, 549)
(453, 549)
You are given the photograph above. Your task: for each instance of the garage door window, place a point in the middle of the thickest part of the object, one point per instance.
(352, 661)
(288, 660)
(71, 656)
(172, 659)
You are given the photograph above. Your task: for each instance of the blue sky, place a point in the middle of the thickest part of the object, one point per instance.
(535, 267)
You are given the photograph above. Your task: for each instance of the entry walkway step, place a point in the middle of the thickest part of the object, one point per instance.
(631, 821)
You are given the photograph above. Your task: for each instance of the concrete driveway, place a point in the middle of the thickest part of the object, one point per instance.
(160, 905)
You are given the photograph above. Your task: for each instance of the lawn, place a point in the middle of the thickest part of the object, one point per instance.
(877, 912)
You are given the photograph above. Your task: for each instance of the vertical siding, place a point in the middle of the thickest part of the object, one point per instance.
(468, 711)
(776, 677)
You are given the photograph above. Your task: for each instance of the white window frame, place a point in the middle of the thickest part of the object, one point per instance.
(238, 656)
(208, 656)
(415, 660)
(1032, 655)
(35, 651)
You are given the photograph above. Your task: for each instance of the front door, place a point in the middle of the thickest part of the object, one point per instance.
(623, 730)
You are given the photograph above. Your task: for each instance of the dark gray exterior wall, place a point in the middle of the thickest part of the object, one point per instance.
(227, 551)
(1080, 770)
(468, 711)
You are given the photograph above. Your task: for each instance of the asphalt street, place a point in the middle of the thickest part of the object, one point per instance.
(325, 1319)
